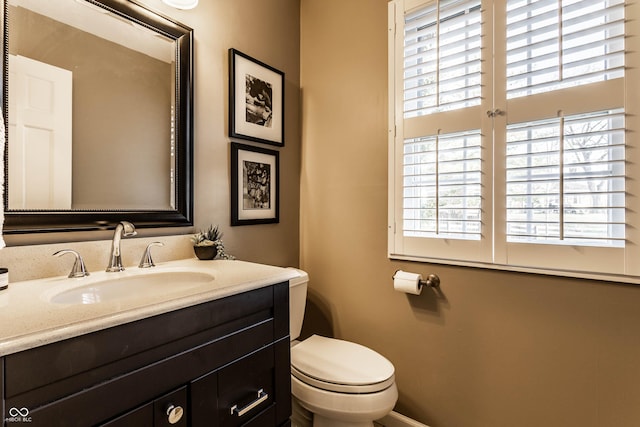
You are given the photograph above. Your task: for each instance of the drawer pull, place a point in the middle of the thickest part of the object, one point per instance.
(262, 396)
(174, 413)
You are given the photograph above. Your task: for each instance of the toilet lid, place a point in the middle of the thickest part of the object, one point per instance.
(338, 365)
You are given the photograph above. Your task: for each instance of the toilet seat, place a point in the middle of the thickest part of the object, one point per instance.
(340, 366)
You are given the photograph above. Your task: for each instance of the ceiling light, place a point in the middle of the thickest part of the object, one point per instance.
(181, 4)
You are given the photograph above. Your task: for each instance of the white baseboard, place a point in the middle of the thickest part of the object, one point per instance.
(395, 419)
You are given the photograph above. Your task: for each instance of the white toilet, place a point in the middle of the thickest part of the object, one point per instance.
(341, 383)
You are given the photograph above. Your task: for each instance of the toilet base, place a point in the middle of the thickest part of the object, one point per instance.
(300, 417)
(332, 409)
(320, 421)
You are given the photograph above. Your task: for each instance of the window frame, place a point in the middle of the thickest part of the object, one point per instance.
(493, 251)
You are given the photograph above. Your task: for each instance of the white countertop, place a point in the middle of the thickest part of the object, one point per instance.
(29, 319)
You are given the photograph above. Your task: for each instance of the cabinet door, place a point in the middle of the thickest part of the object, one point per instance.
(168, 410)
(140, 417)
(203, 407)
(246, 388)
(239, 394)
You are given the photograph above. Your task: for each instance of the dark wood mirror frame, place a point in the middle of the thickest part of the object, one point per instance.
(55, 221)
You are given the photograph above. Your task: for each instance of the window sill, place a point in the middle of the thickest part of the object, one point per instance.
(616, 278)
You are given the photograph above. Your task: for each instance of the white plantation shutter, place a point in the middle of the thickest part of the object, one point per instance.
(554, 44)
(513, 135)
(565, 138)
(442, 57)
(566, 180)
(442, 173)
(439, 201)
(443, 186)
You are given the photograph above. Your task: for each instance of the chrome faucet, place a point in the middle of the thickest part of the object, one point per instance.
(78, 269)
(123, 229)
(147, 261)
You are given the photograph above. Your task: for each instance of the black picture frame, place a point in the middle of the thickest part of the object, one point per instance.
(255, 182)
(256, 100)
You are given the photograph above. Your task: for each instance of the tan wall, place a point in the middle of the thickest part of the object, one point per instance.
(268, 31)
(495, 349)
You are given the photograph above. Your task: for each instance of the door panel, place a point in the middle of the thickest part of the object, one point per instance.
(40, 135)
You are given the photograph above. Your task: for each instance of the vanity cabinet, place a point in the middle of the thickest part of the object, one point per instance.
(220, 363)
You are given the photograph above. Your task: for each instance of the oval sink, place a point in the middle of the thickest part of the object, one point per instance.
(164, 282)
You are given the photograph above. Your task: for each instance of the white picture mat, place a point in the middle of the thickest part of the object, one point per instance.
(243, 67)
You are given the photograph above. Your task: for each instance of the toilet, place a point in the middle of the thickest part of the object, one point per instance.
(341, 383)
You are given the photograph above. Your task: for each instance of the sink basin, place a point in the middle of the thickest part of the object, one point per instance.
(127, 285)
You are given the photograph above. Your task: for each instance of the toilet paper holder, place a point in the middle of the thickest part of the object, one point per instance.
(433, 281)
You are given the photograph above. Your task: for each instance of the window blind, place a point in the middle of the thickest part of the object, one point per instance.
(442, 186)
(442, 57)
(566, 180)
(554, 44)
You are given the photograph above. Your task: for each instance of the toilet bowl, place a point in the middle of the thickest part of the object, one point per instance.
(341, 383)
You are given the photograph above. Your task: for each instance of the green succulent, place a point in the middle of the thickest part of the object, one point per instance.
(207, 237)
(212, 236)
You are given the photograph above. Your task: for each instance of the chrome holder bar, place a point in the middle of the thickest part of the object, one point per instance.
(262, 396)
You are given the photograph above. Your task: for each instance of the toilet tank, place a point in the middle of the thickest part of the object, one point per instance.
(297, 302)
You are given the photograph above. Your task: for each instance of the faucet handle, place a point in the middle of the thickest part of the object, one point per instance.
(78, 269)
(147, 261)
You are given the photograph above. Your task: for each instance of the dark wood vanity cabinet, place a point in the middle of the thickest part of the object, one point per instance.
(217, 364)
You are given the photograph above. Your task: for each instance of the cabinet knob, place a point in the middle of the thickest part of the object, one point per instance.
(174, 413)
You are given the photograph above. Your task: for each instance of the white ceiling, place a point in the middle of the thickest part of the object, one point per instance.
(102, 23)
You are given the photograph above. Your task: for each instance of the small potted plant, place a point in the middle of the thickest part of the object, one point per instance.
(207, 244)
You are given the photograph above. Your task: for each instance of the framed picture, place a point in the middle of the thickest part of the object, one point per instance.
(254, 185)
(256, 100)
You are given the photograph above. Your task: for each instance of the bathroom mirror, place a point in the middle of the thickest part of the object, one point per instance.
(97, 102)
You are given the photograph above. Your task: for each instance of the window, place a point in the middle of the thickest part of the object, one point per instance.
(442, 186)
(441, 58)
(565, 180)
(557, 44)
(512, 126)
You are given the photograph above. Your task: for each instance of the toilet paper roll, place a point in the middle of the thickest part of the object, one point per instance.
(406, 282)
